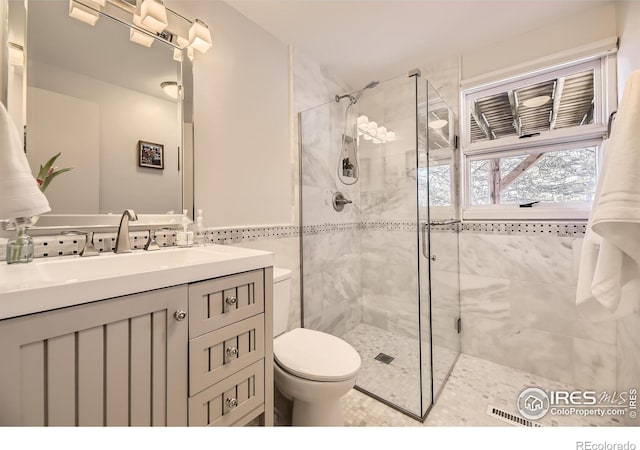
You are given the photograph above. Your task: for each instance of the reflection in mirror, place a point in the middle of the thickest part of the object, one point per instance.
(96, 97)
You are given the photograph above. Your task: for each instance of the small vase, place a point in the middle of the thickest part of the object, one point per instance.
(20, 247)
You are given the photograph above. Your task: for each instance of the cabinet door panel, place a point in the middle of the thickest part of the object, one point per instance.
(91, 377)
(68, 366)
(117, 374)
(141, 371)
(61, 381)
(32, 364)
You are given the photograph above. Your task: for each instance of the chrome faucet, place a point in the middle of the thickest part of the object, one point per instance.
(123, 245)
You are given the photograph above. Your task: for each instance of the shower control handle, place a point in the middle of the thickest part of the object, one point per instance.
(339, 200)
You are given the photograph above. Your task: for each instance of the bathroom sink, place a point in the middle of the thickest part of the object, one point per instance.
(109, 265)
(49, 283)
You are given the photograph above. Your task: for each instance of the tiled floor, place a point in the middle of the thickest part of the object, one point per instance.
(399, 381)
(473, 385)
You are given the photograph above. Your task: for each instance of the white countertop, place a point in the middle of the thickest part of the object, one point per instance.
(51, 283)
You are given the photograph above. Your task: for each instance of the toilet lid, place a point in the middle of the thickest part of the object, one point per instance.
(315, 355)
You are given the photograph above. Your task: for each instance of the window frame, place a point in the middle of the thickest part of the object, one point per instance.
(603, 65)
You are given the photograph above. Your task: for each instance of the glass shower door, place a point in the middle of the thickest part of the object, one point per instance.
(390, 339)
(440, 231)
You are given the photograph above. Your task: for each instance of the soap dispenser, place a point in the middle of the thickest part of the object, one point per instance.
(184, 238)
(199, 234)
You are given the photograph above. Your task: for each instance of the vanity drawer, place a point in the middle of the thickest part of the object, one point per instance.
(214, 304)
(219, 354)
(215, 407)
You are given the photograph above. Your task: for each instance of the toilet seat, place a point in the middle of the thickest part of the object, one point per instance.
(316, 356)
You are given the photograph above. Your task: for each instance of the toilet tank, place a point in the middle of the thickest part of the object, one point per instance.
(281, 299)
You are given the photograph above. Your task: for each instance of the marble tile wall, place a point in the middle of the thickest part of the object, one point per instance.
(388, 194)
(518, 309)
(331, 266)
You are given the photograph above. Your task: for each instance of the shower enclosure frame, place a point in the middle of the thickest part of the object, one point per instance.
(422, 239)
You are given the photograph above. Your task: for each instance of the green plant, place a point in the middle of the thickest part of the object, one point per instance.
(48, 172)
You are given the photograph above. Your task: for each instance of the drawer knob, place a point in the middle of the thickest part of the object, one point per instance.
(231, 300)
(232, 403)
(180, 315)
(232, 352)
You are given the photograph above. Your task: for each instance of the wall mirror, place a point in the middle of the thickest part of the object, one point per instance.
(95, 96)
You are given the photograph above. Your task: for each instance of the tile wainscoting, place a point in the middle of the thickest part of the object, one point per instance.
(517, 294)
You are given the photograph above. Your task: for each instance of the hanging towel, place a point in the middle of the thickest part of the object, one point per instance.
(609, 275)
(20, 195)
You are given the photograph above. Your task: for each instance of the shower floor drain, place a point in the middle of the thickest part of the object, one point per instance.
(510, 418)
(384, 358)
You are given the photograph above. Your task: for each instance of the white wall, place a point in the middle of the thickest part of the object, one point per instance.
(50, 117)
(126, 116)
(628, 23)
(592, 25)
(241, 121)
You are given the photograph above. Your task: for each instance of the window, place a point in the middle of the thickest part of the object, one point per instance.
(562, 176)
(531, 143)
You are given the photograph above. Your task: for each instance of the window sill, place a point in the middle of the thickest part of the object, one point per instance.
(538, 213)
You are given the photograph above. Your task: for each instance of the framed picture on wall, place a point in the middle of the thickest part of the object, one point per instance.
(150, 155)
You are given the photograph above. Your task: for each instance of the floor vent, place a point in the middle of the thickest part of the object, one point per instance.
(384, 358)
(510, 418)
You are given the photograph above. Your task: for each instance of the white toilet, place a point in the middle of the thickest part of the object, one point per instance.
(311, 368)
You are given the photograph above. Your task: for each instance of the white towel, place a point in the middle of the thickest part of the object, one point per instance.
(20, 195)
(609, 275)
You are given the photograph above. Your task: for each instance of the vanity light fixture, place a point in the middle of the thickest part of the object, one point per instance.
(141, 38)
(154, 15)
(200, 36)
(170, 88)
(83, 13)
(149, 20)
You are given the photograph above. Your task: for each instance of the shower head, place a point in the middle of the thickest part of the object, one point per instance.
(353, 97)
(373, 84)
(358, 94)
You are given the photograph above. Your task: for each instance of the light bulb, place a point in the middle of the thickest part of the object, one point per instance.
(200, 36)
(83, 13)
(154, 15)
(363, 120)
(140, 38)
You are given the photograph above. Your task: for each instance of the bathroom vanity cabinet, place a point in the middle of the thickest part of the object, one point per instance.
(198, 353)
